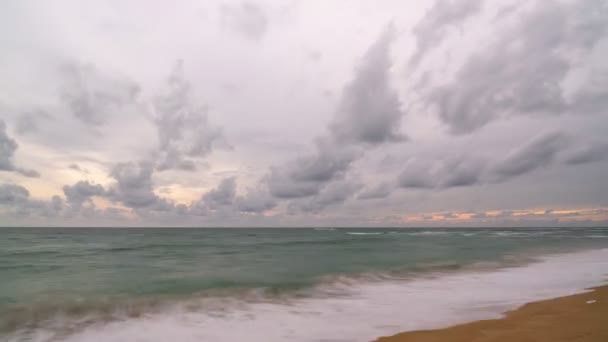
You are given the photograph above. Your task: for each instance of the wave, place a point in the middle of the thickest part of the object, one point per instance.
(331, 311)
(365, 233)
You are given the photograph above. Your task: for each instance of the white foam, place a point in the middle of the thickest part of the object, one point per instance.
(364, 233)
(371, 310)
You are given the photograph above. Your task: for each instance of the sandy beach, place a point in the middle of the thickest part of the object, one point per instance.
(582, 317)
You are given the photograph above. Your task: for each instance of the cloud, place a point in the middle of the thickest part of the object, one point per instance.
(418, 174)
(247, 19)
(91, 96)
(13, 194)
(431, 30)
(461, 172)
(8, 146)
(223, 195)
(29, 122)
(334, 194)
(223, 200)
(441, 174)
(368, 114)
(523, 70)
(587, 153)
(383, 190)
(539, 152)
(369, 111)
(183, 127)
(553, 148)
(255, 201)
(15, 201)
(81, 192)
(134, 188)
(307, 175)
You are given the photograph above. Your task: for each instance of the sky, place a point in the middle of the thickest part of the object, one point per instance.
(281, 113)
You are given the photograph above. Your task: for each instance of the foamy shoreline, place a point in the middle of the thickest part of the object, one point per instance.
(371, 309)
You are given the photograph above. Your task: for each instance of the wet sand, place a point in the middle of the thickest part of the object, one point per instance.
(582, 317)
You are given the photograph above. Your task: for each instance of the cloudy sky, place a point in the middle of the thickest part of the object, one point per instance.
(304, 113)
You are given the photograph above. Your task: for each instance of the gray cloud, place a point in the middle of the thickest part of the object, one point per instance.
(307, 175)
(134, 188)
(255, 201)
(548, 149)
(461, 172)
(441, 174)
(247, 19)
(369, 110)
(8, 146)
(368, 114)
(432, 29)
(183, 127)
(418, 174)
(383, 190)
(587, 153)
(223, 195)
(29, 122)
(15, 200)
(479, 215)
(539, 152)
(523, 70)
(13, 194)
(91, 96)
(334, 194)
(81, 193)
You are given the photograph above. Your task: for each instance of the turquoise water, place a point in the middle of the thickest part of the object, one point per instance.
(73, 273)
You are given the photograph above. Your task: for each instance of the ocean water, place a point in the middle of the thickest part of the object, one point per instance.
(279, 284)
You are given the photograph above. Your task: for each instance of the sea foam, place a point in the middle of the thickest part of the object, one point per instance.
(367, 310)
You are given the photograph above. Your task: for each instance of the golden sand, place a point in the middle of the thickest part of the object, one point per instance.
(581, 318)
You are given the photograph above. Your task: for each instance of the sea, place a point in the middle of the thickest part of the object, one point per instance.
(296, 284)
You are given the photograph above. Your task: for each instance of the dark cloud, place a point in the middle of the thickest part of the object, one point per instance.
(369, 110)
(247, 19)
(223, 200)
(441, 174)
(368, 114)
(418, 174)
(539, 152)
(183, 127)
(382, 190)
(307, 175)
(91, 96)
(11, 194)
(134, 188)
(81, 193)
(223, 195)
(433, 27)
(8, 146)
(448, 215)
(588, 153)
(255, 201)
(522, 72)
(479, 215)
(462, 172)
(334, 194)
(15, 201)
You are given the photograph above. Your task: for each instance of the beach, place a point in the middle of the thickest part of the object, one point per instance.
(581, 317)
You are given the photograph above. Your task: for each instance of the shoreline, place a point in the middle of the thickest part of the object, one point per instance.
(580, 317)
